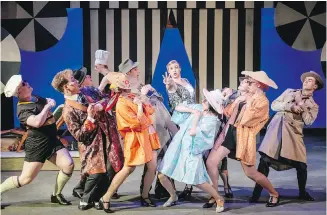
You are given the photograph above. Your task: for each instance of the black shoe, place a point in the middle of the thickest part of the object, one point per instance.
(85, 207)
(306, 197)
(147, 202)
(77, 194)
(98, 206)
(60, 199)
(115, 196)
(270, 203)
(253, 199)
(2, 207)
(186, 194)
(107, 210)
(228, 192)
(208, 204)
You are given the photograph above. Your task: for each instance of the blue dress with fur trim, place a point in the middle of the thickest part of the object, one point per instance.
(183, 160)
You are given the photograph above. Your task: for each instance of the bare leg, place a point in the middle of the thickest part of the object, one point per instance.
(63, 160)
(259, 178)
(149, 175)
(166, 183)
(206, 187)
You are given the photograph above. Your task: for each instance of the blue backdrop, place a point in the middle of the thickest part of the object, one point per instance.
(285, 64)
(39, 68)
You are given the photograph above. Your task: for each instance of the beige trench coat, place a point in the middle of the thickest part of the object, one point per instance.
(286, 128)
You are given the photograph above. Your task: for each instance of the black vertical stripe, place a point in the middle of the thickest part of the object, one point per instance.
(195, 47)
(133, 34)
(148, 45)
(200, 4)
(210, 48)
(220, 4)
(102, 33)
(117, 38)
(239, 4)
(123, 4)
(7, 112)
(181, 4)
(163, 22)
(143, 5)
(241, 42)
(162, 4)
(226, 48)
(86, 36)
(256, 39)
(275, 4)
(104, 4)
(259, 4)
(180, 22)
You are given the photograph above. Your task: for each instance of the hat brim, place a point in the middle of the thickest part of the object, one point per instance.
(83, 75)
(319, 80)
(127, 69)
(121, 81)
(268, 81)
(211, 101)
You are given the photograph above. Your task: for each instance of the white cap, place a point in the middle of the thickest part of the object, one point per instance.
(12, 85)
(101, 57)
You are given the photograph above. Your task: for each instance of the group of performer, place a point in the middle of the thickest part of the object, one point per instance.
(189, 144)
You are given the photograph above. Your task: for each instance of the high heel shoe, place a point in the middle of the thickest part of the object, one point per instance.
(186, 194)
(270, 201)
(147, 202)
(228, 192)
(209, 204)
(220, 206)
(171, 202)
(107, 210)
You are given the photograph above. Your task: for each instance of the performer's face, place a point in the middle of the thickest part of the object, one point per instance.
(205, 104)
(87, 81)
(244, 86)
(253, 85)
(174, 70)
(24, 90)
(134, 73)
(309, 83)
(71, 87)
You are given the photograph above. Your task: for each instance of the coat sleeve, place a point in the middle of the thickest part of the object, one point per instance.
(127, 119)
(256, 113)
(280, 105)
(309, 114)
(82, 132)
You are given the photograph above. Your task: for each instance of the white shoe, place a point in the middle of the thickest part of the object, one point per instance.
(219, 209)
(171, 201)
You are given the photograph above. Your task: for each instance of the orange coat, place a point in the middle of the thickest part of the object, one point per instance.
(138, 142)
(254, 117)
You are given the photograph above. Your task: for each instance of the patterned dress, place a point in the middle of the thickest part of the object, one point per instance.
(183, 94)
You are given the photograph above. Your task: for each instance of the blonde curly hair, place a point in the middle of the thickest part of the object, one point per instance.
(60, 80)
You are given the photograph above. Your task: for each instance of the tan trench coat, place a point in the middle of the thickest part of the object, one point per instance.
(286, 128)
(251, 121)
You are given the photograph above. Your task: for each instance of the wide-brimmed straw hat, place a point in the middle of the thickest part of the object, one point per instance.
(215, 99)
(320, 81)
(262, 77)
(121, 81)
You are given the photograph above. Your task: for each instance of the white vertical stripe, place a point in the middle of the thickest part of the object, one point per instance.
(75, 4)
(125, 33)
(113, 4)
(233, 56)
(94, 4)
(191, 4)
(188, 33)
(229, 4)
(268, 4)
(141, 44)
(171, 4)
(203, 50)
(211, 4)
(249, 4)
(133, 4)
(94, 23)
(110, 38)
(152, 4)
(155, 37)
(249, 40)
(218, 49)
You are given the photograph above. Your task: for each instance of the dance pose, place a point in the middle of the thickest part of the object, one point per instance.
(41, 144)
(183, 160)
(282, 147)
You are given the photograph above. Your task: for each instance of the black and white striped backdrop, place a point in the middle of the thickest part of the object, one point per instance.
(221, 38)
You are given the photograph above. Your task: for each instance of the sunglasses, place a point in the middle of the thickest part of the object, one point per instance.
(204, 100)
(24, 83)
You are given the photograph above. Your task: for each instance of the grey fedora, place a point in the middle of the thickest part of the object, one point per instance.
(127, 66)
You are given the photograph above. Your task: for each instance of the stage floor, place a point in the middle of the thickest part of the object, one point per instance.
(34, 198)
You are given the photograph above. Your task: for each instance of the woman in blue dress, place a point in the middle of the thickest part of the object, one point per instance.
(183, 160)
